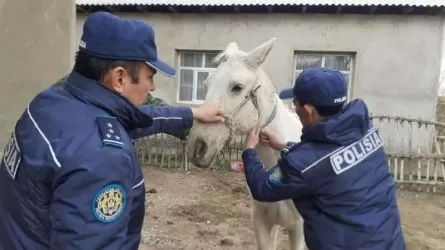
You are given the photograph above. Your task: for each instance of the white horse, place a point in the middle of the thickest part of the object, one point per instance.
(243, 90)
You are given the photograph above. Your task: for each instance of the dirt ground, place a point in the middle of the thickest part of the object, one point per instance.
(211, 210)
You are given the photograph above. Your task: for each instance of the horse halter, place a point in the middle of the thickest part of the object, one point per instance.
(251, 95)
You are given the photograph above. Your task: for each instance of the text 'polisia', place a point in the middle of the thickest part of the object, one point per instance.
(349, 156)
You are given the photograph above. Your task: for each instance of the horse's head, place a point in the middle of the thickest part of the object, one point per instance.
(242, 89)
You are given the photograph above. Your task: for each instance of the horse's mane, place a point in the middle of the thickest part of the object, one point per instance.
(290, 110)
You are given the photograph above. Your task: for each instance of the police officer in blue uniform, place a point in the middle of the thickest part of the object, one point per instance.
(337, 176)
(69, 176)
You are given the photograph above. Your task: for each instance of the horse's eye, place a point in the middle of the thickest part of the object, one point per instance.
(237, 88)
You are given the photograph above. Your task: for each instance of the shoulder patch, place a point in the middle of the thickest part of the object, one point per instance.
(275, 175)
(356, 152)
(109, 130)
(109, 203)
(12, 156)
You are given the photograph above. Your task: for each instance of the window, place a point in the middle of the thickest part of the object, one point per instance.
(340, 62)
(194, 67)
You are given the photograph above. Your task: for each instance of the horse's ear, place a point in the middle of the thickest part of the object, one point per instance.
(228, 52)
(231, 47)
(219, 58)
(257, 56)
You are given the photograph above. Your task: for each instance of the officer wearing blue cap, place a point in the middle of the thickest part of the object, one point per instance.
(337, 176)
(69, 176)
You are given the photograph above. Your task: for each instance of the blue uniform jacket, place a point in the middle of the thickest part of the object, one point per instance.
(69, 175)
(339, 180)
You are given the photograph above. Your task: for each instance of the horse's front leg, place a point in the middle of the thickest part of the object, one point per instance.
(296, 237)
(273, 241)
(263, 231)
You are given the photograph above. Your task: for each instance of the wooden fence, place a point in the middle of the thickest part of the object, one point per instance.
(415, 150)
(167, 151)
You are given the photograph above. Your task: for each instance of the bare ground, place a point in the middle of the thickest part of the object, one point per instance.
(211, 210)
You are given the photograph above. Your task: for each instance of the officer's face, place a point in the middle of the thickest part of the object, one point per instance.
(135, 92)
(307, 114)
(138, 92)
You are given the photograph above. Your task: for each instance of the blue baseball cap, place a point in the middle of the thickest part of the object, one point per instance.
(318, 86)
(110, 37)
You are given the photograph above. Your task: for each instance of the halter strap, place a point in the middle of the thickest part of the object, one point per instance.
(252, 95)
(272, 115)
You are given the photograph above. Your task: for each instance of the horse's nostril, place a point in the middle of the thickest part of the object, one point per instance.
(201, 147)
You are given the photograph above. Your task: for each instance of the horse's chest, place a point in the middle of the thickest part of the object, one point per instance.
(282, 213)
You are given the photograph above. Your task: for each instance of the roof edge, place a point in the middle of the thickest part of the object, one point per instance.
(265, 5)
(365, 9)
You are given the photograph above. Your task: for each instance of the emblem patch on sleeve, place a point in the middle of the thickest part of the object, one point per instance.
(275, 175)
(109, 203)
(12, 157)
(109, 130)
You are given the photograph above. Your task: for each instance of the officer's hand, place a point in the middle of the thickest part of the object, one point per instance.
(271, 139)
(208, 113)
(252, 139)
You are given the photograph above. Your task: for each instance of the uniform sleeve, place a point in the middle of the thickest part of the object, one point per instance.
(165, 120)
(156, 101)
(280, 183)
(91, 201)
(182, 135)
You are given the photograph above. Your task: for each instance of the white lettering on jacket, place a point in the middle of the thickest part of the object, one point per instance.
(12, 156)
(353, 154)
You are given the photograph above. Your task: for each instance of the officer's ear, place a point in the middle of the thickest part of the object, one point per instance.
(117, 79)
(301, 105)
(313, 114)
(310, 110)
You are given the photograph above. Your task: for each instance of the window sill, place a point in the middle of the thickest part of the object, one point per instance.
(197, 102)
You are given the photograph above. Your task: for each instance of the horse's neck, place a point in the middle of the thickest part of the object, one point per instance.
(287, 126)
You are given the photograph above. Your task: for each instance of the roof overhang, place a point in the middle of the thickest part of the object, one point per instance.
(397, 7)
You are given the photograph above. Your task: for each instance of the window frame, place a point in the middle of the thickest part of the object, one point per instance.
(323, 55)
(195, 70)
